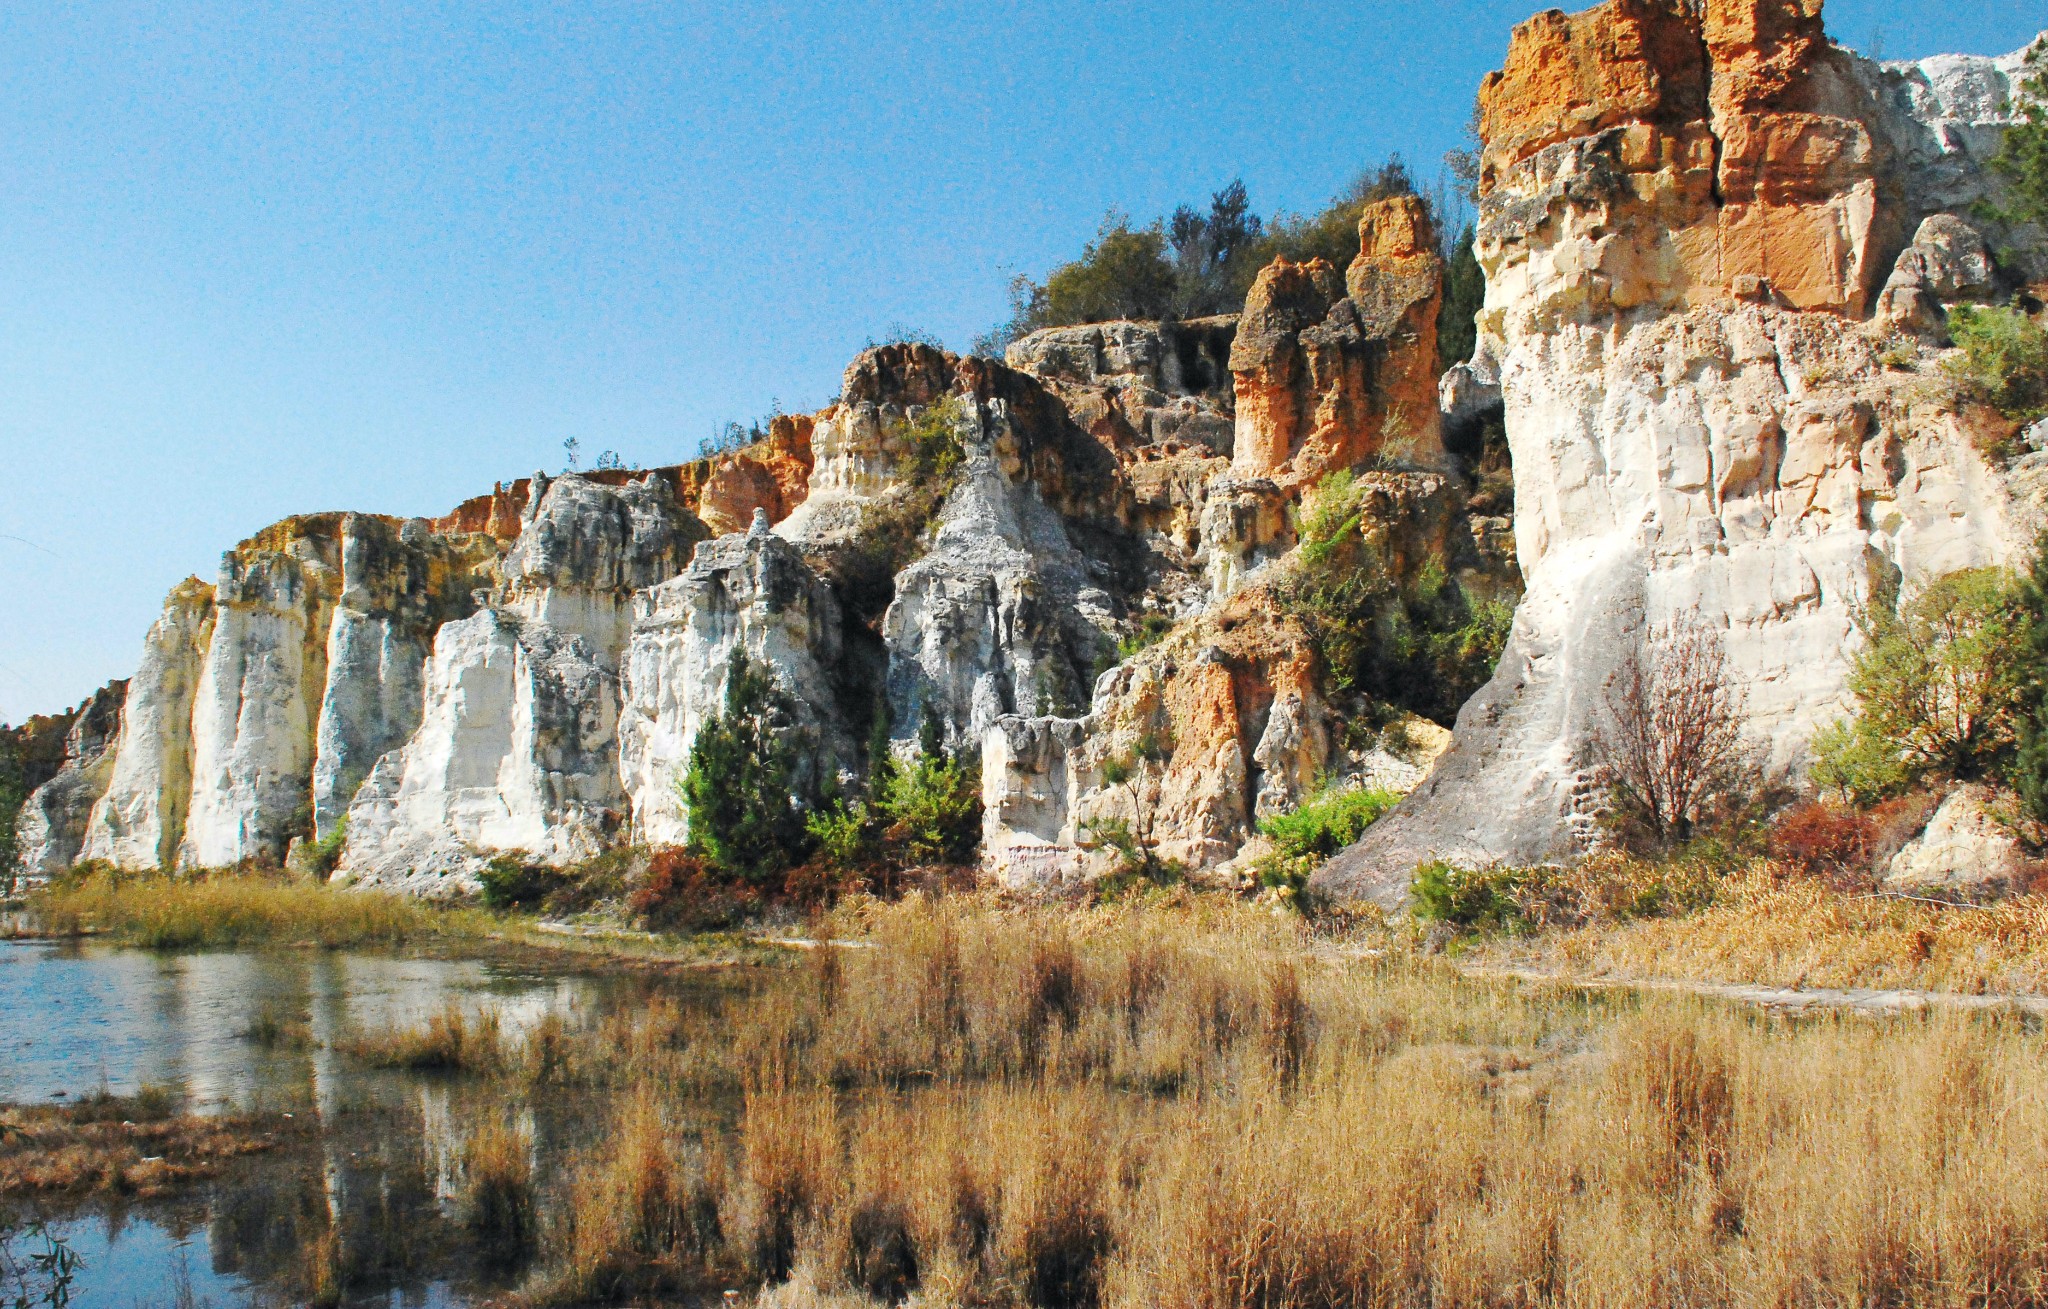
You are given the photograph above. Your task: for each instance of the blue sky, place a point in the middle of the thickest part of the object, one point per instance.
(269, 259)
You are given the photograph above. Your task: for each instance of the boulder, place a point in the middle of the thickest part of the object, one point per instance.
(1964, 846)
(1948, 262)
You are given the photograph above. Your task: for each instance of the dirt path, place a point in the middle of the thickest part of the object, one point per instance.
(1793, 999)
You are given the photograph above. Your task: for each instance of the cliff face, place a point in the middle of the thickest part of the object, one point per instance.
(1689, 214)
(528, 672)
(1718, 252)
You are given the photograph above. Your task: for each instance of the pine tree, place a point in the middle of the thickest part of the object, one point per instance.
(2030, 761)
(739, 787)
(2022, 157)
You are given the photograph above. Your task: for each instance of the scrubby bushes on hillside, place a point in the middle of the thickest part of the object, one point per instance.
(1421, 643)
(2004, 362)
(1203, 262)
(1939, 692)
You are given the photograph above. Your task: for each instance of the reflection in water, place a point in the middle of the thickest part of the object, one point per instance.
(364, 1210)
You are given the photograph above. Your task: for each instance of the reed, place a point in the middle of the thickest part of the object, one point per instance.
(497, 1190)
(450, 1040)
(234, 909)
(1209, 1109)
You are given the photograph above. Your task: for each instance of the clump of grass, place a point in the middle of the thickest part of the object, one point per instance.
(450, 1040)
(227, 910)
(139, 1145)
(276, 1029)
(498, 1192)
(643, 1216)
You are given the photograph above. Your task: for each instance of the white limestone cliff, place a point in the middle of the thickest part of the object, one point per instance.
(1703, 419)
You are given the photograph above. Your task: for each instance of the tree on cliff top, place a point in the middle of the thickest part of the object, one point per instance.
(2022, 157)
(739, 787)
(1195, 263)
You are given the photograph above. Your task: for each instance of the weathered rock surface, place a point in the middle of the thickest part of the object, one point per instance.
(1685, 212)
(752, 592)
(140, 821)
(1964, 847)
(1947, 263)
(1333, 372)
(517, 742)
(51, 828)
(259, 690)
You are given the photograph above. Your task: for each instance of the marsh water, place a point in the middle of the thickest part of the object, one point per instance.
(365, 1167)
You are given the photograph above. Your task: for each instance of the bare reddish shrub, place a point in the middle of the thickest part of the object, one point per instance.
(680, 892)
(1672, 752)
(1829, 841)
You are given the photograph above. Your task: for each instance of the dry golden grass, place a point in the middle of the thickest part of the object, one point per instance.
(120, 1145)
(1189, 1108)
(497, 1196)
(1778, 931)
(450, 1040)
(230, 909)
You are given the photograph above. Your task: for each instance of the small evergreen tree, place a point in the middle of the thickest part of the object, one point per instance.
(1457, 325)
(932, 806)
(2022, 157)
(740, 784)
(2030, 756)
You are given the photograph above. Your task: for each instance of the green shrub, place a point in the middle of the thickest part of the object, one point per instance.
(1319, 827)
(2022, 157)
(509, 881)
(932, 808)
(1328, 821)
(1938, 691)
(318, 858)
(1423, 644)
(841, 832)
(1152, 629)
(1471, 899)
(2005, 359)
(739, 787)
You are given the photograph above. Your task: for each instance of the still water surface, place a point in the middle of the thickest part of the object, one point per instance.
(373, 1179)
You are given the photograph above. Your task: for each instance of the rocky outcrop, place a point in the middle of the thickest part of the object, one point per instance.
(259, 690)
(140, 821)
(399, 584)
(1965, 846)
(517, 742)
(1686, 212)
(1947, 263)
(753, 593)
(51, 827)
(1330, 372)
